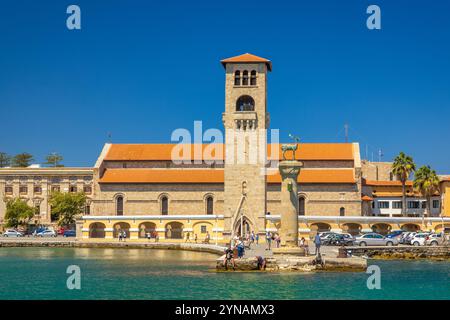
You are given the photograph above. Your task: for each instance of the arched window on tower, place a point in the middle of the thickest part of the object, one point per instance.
(164, 206)
(301, 206)
(342, 211)
(237, 78)
(245, 78)
(119, 206)
(253, 78)
(209, 205)
(245, 103)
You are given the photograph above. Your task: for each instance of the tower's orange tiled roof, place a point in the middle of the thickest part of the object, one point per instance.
(150, 152)
(216, 176)
(247, 58)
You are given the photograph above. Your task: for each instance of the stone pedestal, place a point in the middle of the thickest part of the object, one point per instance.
(289, 170)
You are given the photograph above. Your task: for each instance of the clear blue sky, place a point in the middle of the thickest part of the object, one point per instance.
(140, 69)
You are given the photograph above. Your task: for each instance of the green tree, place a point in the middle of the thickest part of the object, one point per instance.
(402, 168)
(426, 182)
(5, 160)
(18, 213)
(22, 160)
(54, 159)
(66, 207)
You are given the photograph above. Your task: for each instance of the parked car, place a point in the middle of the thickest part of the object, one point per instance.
(419, 239)
(403, 238)
(38, 230)
(69, 233)
(47, 233)
(374, 239)
(339, 239)
(61, 231)
(435, 239)
(12, 233)
(409, 237)
(395, 234)
(324, 235)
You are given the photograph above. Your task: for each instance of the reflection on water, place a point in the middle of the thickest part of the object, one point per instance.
(171, 274)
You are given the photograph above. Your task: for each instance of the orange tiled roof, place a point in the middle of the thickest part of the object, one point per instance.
(319, 176)
(143, 152)
(215, 176)
(317, 151)
(307, 151)
(387, 183)
(247, 58)
(162, 176)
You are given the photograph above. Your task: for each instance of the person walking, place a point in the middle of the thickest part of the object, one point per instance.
(268, 240)
(317, 243)
(241, 249)
(278, 240)
(187, 237)
(119, 235)
(257, 239)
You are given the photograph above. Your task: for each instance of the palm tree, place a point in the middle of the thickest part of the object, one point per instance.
(402, 168)
(426, 182)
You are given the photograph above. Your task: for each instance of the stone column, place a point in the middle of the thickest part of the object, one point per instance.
(289, 171)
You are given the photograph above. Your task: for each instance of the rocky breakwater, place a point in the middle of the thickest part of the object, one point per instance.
(400, 252)
(295, 263)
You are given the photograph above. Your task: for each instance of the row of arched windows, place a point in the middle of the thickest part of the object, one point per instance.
(245, 79)
(164, 205)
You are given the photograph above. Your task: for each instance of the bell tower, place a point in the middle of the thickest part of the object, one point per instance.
(245, 120)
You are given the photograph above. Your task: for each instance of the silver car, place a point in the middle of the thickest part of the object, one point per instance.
(375, 239)
(12, 233)
(47, 233)
(435, 239)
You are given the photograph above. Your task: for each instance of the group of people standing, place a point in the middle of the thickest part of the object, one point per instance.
(195, 239)
(275, 237)
(122, 235)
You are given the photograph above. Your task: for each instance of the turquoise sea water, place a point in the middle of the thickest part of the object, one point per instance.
(40, 273)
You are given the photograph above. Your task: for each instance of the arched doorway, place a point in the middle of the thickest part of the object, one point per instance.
(352, 228)
(97, 230)
(146, 228)
(443, 227)
(174, 230)
(121, 227)
(381, 228)
(410, 227)
(318, 227)
(243, 226)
